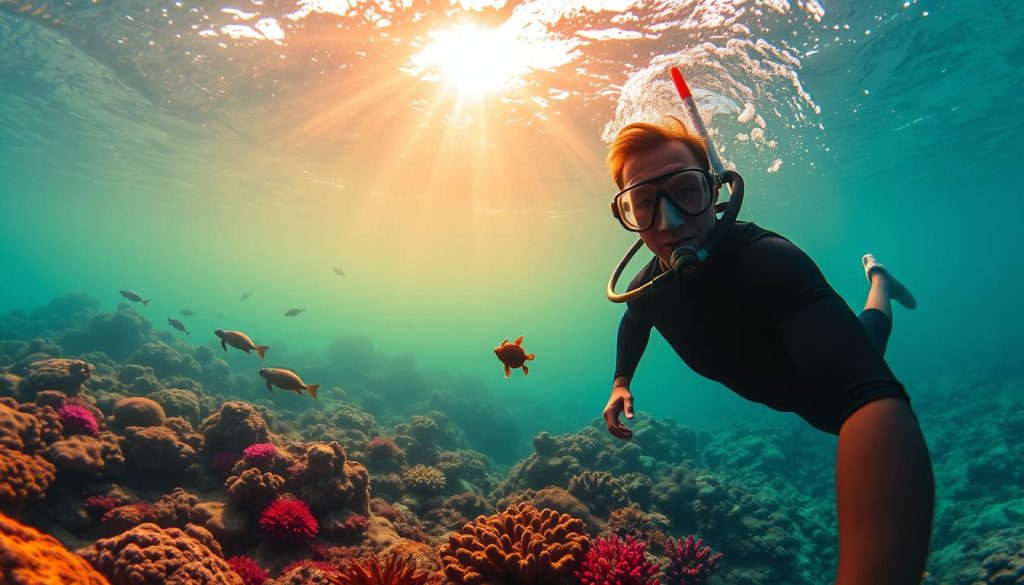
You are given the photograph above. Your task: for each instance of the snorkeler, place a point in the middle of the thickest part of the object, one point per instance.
(756, 314)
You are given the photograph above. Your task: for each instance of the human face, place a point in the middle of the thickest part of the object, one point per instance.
(671, 227)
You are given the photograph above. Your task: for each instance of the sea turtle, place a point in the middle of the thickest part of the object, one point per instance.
(513, 356)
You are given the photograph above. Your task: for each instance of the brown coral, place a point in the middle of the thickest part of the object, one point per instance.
(157, 450)
(84, 457)
(148, 554)
(521, 544)
(326, 479)
(29, 557)
(23, 477)
(233, 428)
(424, 479)
(599, 490)
(254, 489)
(66, 375)
(136, 411)
(19, 431)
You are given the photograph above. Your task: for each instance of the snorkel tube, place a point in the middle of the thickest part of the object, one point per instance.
(686, 261)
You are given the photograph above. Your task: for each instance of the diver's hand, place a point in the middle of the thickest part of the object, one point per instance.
(621, 400)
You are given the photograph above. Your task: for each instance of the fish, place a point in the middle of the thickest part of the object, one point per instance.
(512, 355)
(218, 314)
(134, 297)
(287, 380)
(178, 325)
(294, 312)
(187, 313)
(239, 340)
(245, 296)
(339, 271)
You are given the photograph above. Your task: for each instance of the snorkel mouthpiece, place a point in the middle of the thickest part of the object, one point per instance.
(685, 262)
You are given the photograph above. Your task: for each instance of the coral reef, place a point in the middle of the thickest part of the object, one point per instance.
(179, 402)
(148, 554)
(248, 569)
(599, 490)
(253, 489)
(23, 478)
(82, 457)
(614, 562)
(158, 452)
(28, 556)
(424, 479)
(136, 411)
(65, 375)
(521, 543)
(326, 479)
(78, 420)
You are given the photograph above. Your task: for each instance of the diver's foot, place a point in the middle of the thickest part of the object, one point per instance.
(897, 291)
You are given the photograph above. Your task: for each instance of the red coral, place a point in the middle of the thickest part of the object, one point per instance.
(288, 521)
(78, 420)
(383, 449)
(249, 570)
(689, 562)
(614, 562)
(398, 570)
(102, 504)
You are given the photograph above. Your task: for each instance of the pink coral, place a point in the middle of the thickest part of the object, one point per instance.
(689, 563)
(249, 570)
(260, 454)
(614, 562)
(78, 420)
(288, 521)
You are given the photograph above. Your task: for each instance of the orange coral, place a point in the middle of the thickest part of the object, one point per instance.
(23, 477)
(399, 570)
(521, 544)
(28, 556)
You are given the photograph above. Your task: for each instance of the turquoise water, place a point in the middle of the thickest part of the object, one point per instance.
(194, 151)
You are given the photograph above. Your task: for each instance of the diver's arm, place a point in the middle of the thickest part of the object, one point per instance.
(634, 334)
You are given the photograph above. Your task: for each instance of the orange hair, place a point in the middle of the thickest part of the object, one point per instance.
(641, 136)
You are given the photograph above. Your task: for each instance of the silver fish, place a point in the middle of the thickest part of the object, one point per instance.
(187, 313)
(178, 325)
(134, 297)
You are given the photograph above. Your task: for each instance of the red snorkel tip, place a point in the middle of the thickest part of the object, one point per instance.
(681, 87)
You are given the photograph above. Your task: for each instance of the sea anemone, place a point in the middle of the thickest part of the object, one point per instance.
(288, 521)
(249, 570)
(396, 571)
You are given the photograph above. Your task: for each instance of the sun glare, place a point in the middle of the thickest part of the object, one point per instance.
(475, 60)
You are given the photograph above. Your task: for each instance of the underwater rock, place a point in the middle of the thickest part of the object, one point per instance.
(158, 452)
(165, 360)
(136, 411)
(178, 402)
(233, 428)
(226, 522)
(30, 556)
(66, 375)
(87, 458)
(599, 490)
(12, 385)
(521, 544)
(141, 379)
(116, 334)
(253, 489)
(326, 479)
(148, 554)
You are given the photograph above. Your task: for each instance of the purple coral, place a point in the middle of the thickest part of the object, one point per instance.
(614, 562)
(78, 420)
(689, 563)
(260, 454)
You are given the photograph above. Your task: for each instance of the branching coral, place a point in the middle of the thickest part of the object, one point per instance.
(424, 479)
(521, 543)
(31, 557)
(396, 571)
(614, 562)
(599, 490)
(690, 563)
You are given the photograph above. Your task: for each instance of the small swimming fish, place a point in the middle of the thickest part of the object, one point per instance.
(178, 325)
(134, 297)
(239, 340)
(287, 380)
(294, 312)
(218, 314)
(338, 271)
(245, 296)
(187, 313)
(513, 356)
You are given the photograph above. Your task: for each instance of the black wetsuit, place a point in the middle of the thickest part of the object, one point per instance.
(762, 320)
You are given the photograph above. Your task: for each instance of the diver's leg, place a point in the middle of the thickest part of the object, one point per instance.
(885, 288)
(885, 495)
